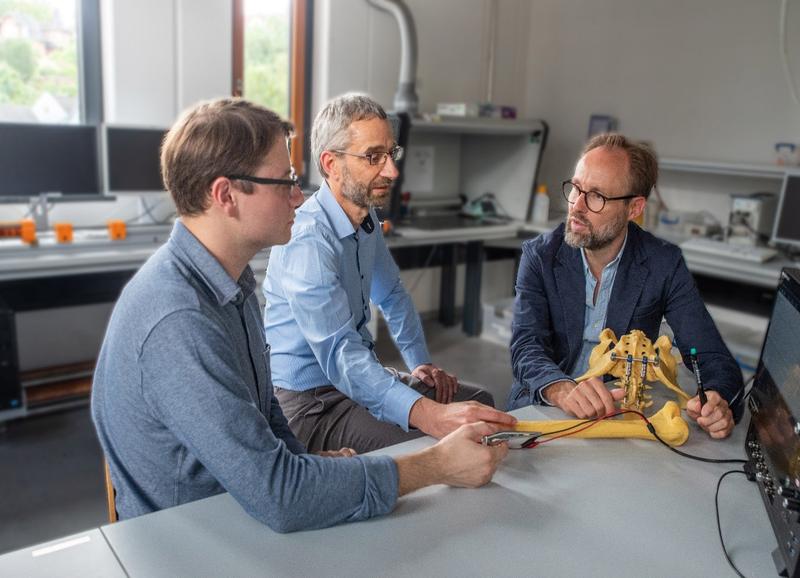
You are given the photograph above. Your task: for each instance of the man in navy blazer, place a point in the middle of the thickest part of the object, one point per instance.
(598, 270)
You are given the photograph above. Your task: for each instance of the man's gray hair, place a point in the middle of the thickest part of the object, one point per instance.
(332, 124)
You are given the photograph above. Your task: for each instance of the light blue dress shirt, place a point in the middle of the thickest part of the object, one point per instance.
(594, 319)
(318, 289)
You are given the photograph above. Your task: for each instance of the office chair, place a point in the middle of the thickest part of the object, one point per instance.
(110, 495)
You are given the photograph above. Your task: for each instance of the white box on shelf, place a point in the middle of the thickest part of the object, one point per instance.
(457, 109)
(497, 317)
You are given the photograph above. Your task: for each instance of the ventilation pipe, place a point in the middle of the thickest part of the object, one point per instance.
(405, 99)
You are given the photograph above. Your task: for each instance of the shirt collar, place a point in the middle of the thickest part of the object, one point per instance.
(612, 264)
(196, 257)
(338, 218)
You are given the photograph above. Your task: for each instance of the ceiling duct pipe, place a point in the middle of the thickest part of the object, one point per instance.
(405, 99)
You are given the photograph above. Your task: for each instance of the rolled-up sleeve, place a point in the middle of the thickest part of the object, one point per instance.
(318, 301)
(193, 386)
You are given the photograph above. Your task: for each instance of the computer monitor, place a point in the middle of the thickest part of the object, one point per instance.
(132, 156)
(44, 158)
(787, 225)
(773, 437)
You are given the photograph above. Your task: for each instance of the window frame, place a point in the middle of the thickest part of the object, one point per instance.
(300, 49)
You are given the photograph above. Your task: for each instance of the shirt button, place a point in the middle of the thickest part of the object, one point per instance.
(362, 276)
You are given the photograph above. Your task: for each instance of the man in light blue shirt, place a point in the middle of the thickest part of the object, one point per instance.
(182, 397)
(318, 288)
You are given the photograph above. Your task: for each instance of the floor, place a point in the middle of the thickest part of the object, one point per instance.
(51, 483)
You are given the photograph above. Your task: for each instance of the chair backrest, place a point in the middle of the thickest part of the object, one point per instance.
(110, 495)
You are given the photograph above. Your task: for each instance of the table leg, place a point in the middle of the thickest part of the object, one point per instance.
(447, 290)
(10, 386)
(472, 288)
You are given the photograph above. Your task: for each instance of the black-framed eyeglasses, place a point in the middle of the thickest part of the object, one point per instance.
(378, 157)
(595, 201)
(292, 181)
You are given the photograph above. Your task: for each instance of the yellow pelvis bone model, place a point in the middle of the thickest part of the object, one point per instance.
(634, 359)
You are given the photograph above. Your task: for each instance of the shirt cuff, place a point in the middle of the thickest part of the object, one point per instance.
(382, 485)
(398, 403)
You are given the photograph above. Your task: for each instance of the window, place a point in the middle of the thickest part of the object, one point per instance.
(270, 61)
(39, 67)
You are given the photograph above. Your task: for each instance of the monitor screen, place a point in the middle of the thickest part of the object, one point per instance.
(776, 389)
(133, 159)
(787, 225)
(42, 158)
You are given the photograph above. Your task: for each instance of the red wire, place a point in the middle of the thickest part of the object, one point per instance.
(594, 422)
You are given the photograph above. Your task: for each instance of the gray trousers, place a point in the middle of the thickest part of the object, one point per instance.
(324, 418)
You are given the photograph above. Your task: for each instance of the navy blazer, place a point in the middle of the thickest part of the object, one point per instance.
(652, 282)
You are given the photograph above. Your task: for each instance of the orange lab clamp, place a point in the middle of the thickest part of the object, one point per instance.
(117, 230)
(63, 232)
(28, 231)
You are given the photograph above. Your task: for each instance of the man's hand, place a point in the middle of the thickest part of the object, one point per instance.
(342, 453)
(458, 460)
(590, 398)
(466, 463)
(715, 417)
(439, 420)
(445, 383)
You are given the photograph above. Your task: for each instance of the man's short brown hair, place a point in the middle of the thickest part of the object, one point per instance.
(642, 160)
(222, 137)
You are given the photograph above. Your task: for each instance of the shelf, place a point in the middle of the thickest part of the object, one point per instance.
(723, 168)
(476, 125)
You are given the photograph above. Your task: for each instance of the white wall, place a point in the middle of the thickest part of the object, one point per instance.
(160, 56)
(139, 61)
(358, 48)
(700, 79)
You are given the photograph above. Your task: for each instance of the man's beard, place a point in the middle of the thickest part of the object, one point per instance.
(360, 193)
(594, 240)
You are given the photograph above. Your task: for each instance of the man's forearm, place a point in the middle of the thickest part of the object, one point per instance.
(422, 414)
(554, 392)
(417, 471)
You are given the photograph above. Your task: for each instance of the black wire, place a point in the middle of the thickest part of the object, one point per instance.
(748, 391)
(719, 526)
(576, 425)
(535, 441)
(652, 430)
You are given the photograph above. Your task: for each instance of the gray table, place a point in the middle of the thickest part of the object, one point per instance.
(569, 508)
(84, 555)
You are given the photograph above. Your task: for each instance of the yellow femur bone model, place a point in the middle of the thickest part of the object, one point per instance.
(635, 360)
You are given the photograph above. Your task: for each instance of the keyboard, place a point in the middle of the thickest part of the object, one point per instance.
(701, 245)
